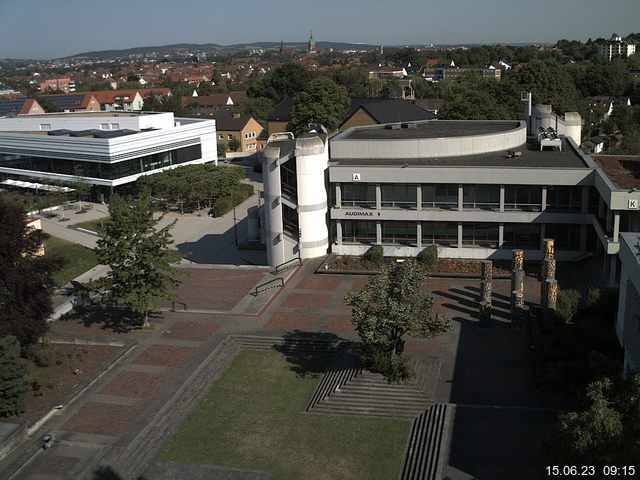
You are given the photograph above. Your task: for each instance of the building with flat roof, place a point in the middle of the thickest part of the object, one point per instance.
(616, 47)
(476, 189)
(628, 318)
(109, 149)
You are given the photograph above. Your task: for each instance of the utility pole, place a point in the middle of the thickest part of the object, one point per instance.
(235, 227)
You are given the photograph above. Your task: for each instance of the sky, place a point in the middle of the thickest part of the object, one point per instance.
(42, 29)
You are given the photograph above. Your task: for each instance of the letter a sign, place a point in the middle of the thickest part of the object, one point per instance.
(355, 177)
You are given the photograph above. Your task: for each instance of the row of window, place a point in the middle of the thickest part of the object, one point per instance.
(109, 171)
(445, 196)
(515, 235)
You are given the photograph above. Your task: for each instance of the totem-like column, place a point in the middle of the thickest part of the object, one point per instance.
(485, 314)
(549, 247)
(548, 273)
(486, 276)
(550, 301)
(517, 284)
(517, 311)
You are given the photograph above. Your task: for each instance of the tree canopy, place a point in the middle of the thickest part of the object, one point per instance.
(139, 257)
(323, 101)
(605, 432)
(12, 385)
(286, 81)
(26, 281)
(392, 304)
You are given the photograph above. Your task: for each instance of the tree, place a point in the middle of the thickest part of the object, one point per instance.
(321, 102)
(286, 81)
(26, 281)
(354, 79)
(259, 108)
(392, 304)
(605, 432)
(550, 84)
(233, 144)
(80, 183)
(12, 372)
(139, 257)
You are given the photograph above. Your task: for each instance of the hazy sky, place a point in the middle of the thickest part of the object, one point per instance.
(49, 29)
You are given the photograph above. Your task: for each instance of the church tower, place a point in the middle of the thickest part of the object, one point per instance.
(312, 43)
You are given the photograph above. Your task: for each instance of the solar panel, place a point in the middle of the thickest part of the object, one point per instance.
(65, 101)
(8, 107)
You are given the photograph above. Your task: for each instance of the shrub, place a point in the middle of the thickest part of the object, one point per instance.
(12, 386)
(375, 254)
(567, 304)
(224, 204)
(428, 256)
(594, 296)
(395, 368)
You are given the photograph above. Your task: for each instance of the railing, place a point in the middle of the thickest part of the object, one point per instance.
(288, 264)
(275, 283)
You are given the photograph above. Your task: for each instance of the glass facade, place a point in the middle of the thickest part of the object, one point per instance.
(486, 197)
(288, 181)
(523, 197)
(564, 199)
(399, 232)
(108, 171)
(440, 233)
(358, 232)
(480, 234)
(402, 195)
(290, 221)
(521, 235)
(567, 237)
(440, 196)
(359, 195)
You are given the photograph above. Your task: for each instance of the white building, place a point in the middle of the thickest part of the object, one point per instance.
(616, 47)
(628, 321)
(111, 149)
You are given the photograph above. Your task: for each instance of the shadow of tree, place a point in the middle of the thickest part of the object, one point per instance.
(107, 473)
(117, 320)
(309, 353)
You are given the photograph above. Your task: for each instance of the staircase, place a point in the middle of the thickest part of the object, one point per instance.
(425, 452)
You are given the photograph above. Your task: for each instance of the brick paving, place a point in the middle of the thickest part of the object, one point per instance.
(102, 418)
(165, 356)
(216, 288)
(191, 330)
(479, 367)
(129, 383)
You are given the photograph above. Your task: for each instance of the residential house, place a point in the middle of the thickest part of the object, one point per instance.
(74, 102)
(244, 129)
(372, 111)
(65, 84)
(19, 106)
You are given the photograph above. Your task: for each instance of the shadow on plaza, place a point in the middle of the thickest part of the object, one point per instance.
(500, 417)
(224, 248)
(107, 473)
(308, 352)
(115, 319)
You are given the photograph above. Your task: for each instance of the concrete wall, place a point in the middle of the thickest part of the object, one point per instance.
(628, 321)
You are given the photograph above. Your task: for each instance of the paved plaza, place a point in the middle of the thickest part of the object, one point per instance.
(499, 415)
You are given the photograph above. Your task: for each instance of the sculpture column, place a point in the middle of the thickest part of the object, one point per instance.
(486, 276)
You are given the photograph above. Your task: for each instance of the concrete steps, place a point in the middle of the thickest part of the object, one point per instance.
(315, 343)
(425, 451)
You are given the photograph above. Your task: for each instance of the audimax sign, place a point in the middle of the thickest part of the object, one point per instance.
(359, 213)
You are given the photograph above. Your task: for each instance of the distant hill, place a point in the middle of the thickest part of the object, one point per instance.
(213, 48)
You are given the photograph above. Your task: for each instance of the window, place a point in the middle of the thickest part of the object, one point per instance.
(480, 234)
(290, 221)
(115, 126)
(486, 197)
(288, 180)
(45, 126)
(567, 237)
(104, 126)
(399, 195)
(440, 233)
(440, 196)
(221, 137)
(358, 232)
(359, 195)
(521, 235)
(229, 136)
(564, 199)
(399, 232)
(523, 197)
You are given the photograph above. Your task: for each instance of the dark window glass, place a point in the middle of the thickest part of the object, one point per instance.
(564, 199)
(567, 237)
(523, 197)
(399, 195)
(480, 234)
(288, 180)
(440, 233)
(521, 235)
(358, 195)
(290, 221)
(440, 196)
(354, 231)
(399, 232)
(481, 196)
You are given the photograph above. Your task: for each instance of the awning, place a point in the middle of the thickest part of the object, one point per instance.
(37, 186)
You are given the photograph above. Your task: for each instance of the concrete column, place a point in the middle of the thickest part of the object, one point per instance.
(616, 227)
(609, 219)
(544, 198)
(419, 235)
(460, 196)
(502, 198)
(613, 270)
(419, 197)
(583, 238)
(378, 232)
(338, 195)
(542, 235)
(339, 232)
(584, 205)
(378, 197)
(500, 235)
(459, 235)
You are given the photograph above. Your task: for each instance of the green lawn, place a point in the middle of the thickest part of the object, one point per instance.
(253, 418)
(92, 225)
(78, 259)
